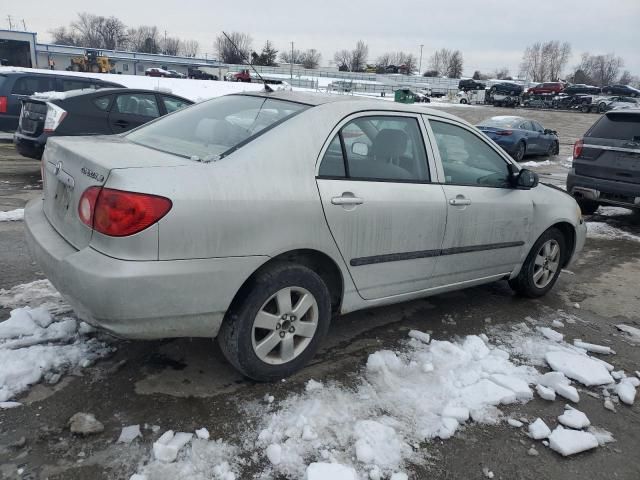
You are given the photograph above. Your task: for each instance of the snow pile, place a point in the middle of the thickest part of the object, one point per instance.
(424, 392)
(12, 215)
(39, 293)
(631, 333)
(608, 232)
(569, 442)
(532, 163)
(198, 459)
(35, 346)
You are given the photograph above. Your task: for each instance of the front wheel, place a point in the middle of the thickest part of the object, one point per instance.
(277, 328)
(542, 266)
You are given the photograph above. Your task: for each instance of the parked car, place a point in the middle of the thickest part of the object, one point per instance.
(176, 74)
(242, 76)
(546, 88)
(15, 86)
(520, 136)
(604, 104)
(581, 88)
(570, 101)
(606, 163)
(421, 97)
(470, 84)
(196, 73)
(157, 72)
(625, 90)
(85, 112)
(506, 88)
(169, 229)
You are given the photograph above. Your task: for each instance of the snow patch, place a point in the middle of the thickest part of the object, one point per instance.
(579, 367)
(569, 442)
(12, 215)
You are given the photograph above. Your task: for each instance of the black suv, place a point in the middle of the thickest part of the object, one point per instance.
(606, 163)
(85, 112)
(15, 86)
(466, 85)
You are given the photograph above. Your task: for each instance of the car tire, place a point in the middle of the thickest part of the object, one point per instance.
(602, 107)
(587, 207)
(519, 152)
(463, 101)
(554, 149)
(240, 340)
(542, 266)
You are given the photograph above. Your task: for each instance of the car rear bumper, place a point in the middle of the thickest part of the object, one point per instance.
(611, 192)
(138, 299)
(32, 147)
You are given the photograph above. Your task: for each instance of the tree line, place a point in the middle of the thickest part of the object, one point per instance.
(110, 33)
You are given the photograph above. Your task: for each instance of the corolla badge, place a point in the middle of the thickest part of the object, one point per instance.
(58, 168)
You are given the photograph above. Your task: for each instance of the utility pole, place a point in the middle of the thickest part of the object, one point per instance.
(165, 43)
(420, 67)
(291, 63)
(24, 25)
(10, 24)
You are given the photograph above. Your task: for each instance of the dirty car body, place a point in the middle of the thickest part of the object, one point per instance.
(281, 209)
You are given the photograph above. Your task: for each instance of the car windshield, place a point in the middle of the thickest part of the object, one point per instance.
(501, 122)
(213, 129)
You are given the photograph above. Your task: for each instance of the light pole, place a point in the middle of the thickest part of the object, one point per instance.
(291, 63)
(420, 65)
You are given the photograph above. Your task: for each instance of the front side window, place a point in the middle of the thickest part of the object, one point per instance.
(143, 104)
(214, 128)
(468, 160)
(102, 102)
(385, 148)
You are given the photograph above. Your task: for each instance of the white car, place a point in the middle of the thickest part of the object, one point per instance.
(258, 217)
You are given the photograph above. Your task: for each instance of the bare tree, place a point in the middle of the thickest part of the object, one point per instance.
(625, 78)
(359, 57)
(454, 69)
(62, 36)
(545, 61)
(227, 53)
(144, 39)
(311, 58)
(384, 60)
(439, 61)
(170, 45)
(500, 73)
(113, 32)
(408, 61)
(342, 59)
(289, 56)
(189, 48)
(87, 27)
(600, 70)
(477, 75)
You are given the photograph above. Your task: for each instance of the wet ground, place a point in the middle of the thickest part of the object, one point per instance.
(185, 383)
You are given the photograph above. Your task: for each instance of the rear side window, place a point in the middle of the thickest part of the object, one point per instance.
(172, 104)
(102, 102)
(143, 104)
(215, 128)
(74, 85)
(30, 85)
(616, 127)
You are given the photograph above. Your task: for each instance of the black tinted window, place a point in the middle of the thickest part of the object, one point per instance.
(102, 102)
(74, 85)
(143, 104)
(30, 85)
(617, 127)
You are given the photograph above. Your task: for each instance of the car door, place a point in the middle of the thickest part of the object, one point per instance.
(531, 137)
(544, 139)
(386, 215)
(488, 221)
(130, 110)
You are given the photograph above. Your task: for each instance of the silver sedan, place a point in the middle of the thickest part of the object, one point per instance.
(256, 218)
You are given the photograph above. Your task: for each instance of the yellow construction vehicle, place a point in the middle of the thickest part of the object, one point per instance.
(92, 61)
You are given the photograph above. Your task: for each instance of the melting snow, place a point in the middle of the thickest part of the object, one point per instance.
(569, 442)
(12, 215)
(579, 367)
(573, 418)
(605, 231)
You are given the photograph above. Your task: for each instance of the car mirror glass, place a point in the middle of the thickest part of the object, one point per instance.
(359, 148)
(527, 179)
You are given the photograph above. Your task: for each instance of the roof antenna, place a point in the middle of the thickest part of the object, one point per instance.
(241, 53)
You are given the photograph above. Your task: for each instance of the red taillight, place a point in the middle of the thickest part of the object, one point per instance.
(118, 213)
(577, 148)
(504, 132)
(3, 104)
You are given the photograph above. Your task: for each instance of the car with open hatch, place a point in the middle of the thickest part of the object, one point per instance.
(88, 112)
(234, 219)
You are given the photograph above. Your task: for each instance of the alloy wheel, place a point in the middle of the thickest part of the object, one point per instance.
(546, 263)
(285, 325)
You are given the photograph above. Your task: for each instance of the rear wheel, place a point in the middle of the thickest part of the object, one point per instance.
(588, 207)
(554, 148)
(463, 101)
(518, 154)
(542, 266)
(276, 329)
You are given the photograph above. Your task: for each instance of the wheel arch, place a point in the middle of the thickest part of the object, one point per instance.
(569, 233)
(321, 263)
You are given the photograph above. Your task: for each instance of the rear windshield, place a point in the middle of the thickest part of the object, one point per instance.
(506, 122)
(214, 128)
(617, 127)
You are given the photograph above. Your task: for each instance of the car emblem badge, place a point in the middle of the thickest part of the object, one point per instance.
(58, 168)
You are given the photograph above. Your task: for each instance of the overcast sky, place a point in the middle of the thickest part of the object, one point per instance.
(490, 33)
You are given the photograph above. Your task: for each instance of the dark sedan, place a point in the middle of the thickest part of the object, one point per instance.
(84, 112)
(621, 90)
(519, 136)
(581, 88)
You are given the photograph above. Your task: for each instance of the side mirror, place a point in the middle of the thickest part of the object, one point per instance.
(359, 148)
(527, 179)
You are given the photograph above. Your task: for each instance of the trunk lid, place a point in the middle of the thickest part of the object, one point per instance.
(611, 149)
(73, 164)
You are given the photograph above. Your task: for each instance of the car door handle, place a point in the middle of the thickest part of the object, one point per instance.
(121, 123)
(459, 200)
(347, 200)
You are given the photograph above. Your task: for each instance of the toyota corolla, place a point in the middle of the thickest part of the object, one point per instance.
(256, 218)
